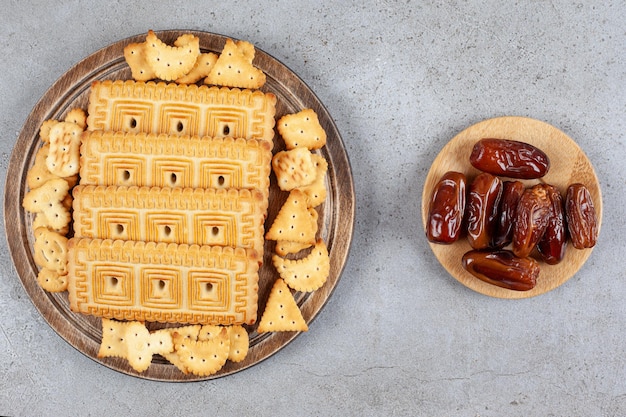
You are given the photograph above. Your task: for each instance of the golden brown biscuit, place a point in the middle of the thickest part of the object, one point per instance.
(117, 158)
(133, 106)
(168, 283)
(222, 217)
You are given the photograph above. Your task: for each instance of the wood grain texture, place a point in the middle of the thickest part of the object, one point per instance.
(336, 215)
(568, 164)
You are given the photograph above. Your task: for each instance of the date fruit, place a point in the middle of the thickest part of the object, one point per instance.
(509, 158)
(531, 220)
(582, 221)
(502, 268)
(511, 193)
(482, 207)
(552, 245)
(446, 209)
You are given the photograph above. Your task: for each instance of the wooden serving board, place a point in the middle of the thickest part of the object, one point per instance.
(336, 215)
(568, 164)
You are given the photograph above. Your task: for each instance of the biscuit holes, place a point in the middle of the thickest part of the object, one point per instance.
(180, 127)
(221, 180)
(119, 229)
(161, 284)
(226, 130)
(126, 175)
(208, 287)
(167, 230)
(132, 123)
(215, 230)
(173, 178)
(113, 281)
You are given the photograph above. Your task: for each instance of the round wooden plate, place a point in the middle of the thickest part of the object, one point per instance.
(336, 215)
(568, 164)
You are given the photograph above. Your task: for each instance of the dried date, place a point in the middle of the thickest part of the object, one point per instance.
(551, 246)
(511, 193)
(482, 207)
(509, 158)
(531, 220)
(446, 209)
(582, 221)
(502, 268)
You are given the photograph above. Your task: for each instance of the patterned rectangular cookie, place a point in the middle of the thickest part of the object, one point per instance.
(220, 217)
(118, 158)
(134, 106)
(162, 282)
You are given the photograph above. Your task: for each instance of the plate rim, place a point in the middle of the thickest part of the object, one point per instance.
(26, 144)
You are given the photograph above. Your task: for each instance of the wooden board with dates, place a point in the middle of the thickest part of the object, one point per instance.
(512, 207)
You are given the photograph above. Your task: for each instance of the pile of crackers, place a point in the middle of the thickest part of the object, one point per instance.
(150, 206)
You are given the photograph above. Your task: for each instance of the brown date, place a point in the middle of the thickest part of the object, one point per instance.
(502, 268)
(531, 220)
(509, 158)
(582, 221)
(511, 193)
(552, 244)
(482, 206)
(446, 208)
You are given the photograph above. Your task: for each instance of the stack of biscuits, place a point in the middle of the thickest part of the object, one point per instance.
(169, 211)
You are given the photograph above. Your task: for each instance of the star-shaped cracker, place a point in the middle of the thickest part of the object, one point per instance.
(281, 311)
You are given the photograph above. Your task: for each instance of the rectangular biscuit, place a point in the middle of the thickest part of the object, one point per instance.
(219, 217)
(162, 282)
(118, 158)
(134, 106)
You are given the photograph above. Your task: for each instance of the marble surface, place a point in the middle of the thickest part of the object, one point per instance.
(399, 335)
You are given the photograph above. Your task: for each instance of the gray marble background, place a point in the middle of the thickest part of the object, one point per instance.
(399, 336)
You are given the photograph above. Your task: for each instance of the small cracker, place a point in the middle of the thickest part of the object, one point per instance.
(294, 168)
(139, 352)
(189, 332)
(44, 130)
(239, 343)
(77, 116)
(294, 222)
(234, 67)
(50, 250)
(281, 311)
(51, 280)
(161, 342)
(203, 357)
(64, 154)
(171, 62)
(302, 129)
(135, 56)
(47, 199)
(285, 247)
(316, 191)
(306, 274)
(39, 173)
(41, 220)
(200, 70)
(113, 342)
